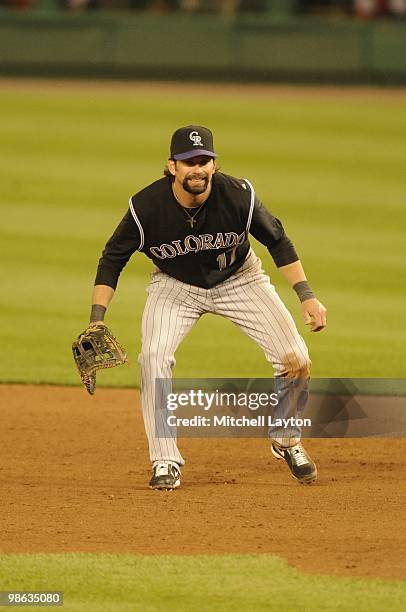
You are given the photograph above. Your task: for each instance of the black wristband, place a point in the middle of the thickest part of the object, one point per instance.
(303, 290)
(97, 313)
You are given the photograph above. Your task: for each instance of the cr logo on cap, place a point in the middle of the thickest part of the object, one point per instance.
(196, 139)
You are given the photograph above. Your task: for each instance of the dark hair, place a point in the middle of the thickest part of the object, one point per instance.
(169, 175)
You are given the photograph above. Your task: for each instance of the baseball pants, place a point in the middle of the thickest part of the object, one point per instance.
(249, 300)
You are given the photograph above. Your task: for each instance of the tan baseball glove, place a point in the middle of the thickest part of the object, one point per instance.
(96, 348)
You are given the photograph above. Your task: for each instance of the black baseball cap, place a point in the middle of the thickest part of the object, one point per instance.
(190, 141)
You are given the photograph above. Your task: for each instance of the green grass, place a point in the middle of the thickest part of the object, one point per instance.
(192, 584)
(331, 169)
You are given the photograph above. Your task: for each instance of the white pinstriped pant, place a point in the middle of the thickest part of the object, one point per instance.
(251, 302)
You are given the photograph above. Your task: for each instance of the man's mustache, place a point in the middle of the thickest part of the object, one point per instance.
(197, 176)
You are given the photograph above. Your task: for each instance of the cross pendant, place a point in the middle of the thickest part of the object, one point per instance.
(191, 221)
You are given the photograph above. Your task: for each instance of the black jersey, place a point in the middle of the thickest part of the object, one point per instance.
(202, 252)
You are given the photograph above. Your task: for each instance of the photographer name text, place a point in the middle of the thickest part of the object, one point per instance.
(232, 421)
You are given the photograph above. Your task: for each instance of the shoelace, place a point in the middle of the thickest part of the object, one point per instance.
(162, 469)
(299, 455)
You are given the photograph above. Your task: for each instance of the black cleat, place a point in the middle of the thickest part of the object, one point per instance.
(165, 476)
(299, 462)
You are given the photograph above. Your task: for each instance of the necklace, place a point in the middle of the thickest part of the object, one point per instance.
(190, 218)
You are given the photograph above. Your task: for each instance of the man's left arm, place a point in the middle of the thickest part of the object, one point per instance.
(269, 231)
(314, 313)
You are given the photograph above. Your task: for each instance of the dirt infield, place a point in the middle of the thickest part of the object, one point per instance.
(74, 472)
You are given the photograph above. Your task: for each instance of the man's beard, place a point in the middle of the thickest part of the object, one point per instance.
(193, 188)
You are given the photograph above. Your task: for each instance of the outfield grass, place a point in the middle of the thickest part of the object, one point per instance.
(192, 584)
(331, 169)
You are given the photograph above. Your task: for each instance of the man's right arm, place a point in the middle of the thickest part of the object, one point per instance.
(102, 296)
(118, 250)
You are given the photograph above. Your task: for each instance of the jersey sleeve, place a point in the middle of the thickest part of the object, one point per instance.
(127, 239)
(268, 230)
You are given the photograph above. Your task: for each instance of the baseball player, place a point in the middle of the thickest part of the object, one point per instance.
(194, 223)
